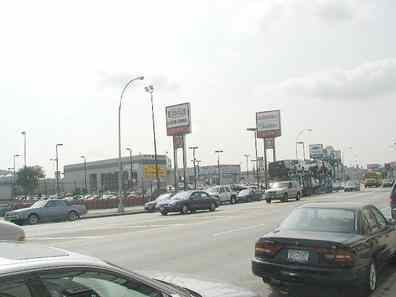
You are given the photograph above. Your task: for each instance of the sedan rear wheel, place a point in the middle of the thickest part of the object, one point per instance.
(369, 281)
(233, 200)
(164, 212)
(73, 216)
(33, 219)
(212, 207)
(298, 196)
(372, 277)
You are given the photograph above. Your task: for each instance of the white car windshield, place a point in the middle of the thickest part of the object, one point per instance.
(39, 204)
(279, 185)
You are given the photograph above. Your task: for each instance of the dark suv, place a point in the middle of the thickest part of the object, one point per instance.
(393, 201)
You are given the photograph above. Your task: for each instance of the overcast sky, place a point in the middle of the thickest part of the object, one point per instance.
(329, 65)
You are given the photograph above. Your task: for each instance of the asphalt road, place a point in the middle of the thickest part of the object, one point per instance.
(209, 246)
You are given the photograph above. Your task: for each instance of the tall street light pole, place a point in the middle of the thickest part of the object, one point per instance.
(247, 166)
(14, 174)
(131, 165)
(24, 148)
(297, 138)
(120, 203)
(85, 173)
(150, 89)
(218, 152)
(303, 146)
(255, 149)
(57, 168)
(194, 148)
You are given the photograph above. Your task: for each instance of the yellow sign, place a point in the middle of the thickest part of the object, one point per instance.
(149, 171)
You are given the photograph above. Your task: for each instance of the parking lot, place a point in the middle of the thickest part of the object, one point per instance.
(197, 245)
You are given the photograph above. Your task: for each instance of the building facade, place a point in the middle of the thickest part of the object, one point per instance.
(103, 175)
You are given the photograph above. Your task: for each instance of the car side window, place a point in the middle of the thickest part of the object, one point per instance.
(195, 196)
(14, 288)
(221, 190)
(204, 195)
(379, 217)
(371, 221)
(227, 190)
(51, 204)
(95, 284)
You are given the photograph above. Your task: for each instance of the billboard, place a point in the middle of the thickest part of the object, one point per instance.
(268, 124)
(149, 171)
(269, 143)
(178, 119)
(316, 151)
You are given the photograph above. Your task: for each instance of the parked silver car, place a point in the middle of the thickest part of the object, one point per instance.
(283, 191)
(223, 193)
(46, 210)
(36, 271)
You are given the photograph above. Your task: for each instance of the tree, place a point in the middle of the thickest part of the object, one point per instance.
(28, 178)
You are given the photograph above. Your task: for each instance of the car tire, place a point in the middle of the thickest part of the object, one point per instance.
(33, 219)
(369, 281)
(185, 209)
(212, 207)
(268, 200)
(285, 198)
(233, 200)
(164, 212)
(298, 196)
(72, 216)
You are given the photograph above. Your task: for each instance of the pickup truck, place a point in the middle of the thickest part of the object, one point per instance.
(45, 211)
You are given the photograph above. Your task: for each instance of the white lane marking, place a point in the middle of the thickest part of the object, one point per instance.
(64, 238)
(239, 229)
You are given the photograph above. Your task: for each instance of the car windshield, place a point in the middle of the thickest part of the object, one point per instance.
(39, 204)
(244, 192)
(320, 220)
(163, 197)
(279, 185)
(181, 196)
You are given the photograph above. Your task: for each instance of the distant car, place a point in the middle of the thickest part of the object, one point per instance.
(40, 271)
(327, 244)
(283, 191)
(387, 183)
(352, 186)
(249, 195)
(153, 205)
(338, 186)
(224, 194)
(188, 201)
(11, 232)
(46, 210)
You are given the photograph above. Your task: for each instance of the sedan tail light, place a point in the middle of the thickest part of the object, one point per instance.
(339, 256)
(267, 249)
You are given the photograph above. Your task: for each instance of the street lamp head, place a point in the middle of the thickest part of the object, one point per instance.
(23, 132)
(309, 130)
(16, 155)
(140, 77)
(149, 89)
(128, 149)
(59, 144)
(193, 147)
(218, 151)
(252, 129)
(83, 157)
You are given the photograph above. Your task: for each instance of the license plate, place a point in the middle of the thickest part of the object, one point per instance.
(298, 256)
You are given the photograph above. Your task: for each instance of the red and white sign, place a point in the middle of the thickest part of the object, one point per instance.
(268, 124)
(178, 119)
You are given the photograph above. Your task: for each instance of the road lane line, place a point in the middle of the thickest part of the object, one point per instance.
(64, 238)
(239, 229)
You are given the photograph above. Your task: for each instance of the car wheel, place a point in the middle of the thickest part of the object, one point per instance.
(212, 207)
(33, 219)
(298, 196)
(285, 198)
(268, 200)
(184, 209)
(164, 212)
(369, 281)
(233, 200)
(72, 216)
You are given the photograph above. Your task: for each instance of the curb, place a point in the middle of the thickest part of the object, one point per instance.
(113, 215)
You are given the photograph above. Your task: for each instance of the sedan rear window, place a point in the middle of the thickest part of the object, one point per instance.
(321, 220)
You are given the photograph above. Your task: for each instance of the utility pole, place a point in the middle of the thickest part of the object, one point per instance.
(150, 89)
(57, 168)
(24, 148)
(131, 165)
(85, 173)
(255, 148)
(247, 166)
(218, 152)
(194, 148)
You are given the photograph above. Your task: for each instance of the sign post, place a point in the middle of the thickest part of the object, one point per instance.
(268, 125)
(178, 124)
